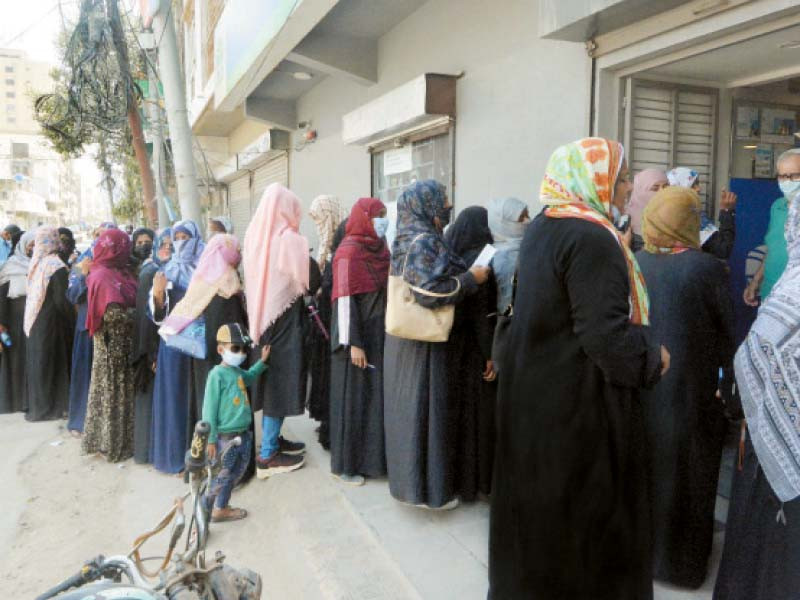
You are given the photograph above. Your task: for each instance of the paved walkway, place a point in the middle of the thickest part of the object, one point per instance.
(310, 536)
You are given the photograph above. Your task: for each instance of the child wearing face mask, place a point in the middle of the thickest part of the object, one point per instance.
(226, 408)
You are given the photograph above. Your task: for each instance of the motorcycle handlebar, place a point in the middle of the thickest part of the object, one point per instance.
(75, 581)
(196, 455)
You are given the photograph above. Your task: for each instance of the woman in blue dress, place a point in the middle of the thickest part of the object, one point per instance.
(172, 387)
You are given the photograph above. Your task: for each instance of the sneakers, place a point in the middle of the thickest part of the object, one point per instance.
(278, 463)
(291, 448)
(355, 480)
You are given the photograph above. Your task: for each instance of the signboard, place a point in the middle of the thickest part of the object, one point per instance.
(244, 31)
(397, 160)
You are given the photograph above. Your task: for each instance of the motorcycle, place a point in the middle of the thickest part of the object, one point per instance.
(183, 575)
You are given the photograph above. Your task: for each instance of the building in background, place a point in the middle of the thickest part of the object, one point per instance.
(37, 185)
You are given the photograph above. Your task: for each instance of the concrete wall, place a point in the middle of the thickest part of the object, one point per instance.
(520, 97)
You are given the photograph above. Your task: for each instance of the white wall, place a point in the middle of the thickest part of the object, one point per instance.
(520, 97)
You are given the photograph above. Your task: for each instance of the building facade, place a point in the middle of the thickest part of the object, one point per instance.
(375, 93)
(36, 185)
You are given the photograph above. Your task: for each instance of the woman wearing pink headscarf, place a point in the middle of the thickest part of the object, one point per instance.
(278, 273)
(49, 324)
(215, 293)
(645, 185)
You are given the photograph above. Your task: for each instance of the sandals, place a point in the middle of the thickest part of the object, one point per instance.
(232, 514)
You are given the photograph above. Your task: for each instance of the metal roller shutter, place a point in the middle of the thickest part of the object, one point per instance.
(671, 125)
(275, 171)
(239, 203)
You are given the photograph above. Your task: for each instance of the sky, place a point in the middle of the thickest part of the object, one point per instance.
(36, 24)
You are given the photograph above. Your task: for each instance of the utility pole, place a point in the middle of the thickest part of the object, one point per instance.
(134, 120)
(154, 115)
(177, 115)
(108, 180)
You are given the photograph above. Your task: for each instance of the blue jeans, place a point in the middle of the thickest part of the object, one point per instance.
(234, 464)
(270, 431)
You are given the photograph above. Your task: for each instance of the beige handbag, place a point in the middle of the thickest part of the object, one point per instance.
(406, 319)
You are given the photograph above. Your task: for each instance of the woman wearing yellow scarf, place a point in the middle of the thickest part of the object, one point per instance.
(692, 313)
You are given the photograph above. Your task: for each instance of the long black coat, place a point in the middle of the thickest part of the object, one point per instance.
(691, 313)
(569, 515)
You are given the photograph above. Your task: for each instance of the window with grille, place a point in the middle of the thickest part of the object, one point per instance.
(673, 126)
(423, 158)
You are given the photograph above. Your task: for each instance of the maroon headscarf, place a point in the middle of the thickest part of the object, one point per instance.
(361, 263)
(109, 281)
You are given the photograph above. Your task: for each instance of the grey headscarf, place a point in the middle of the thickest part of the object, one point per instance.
(507, 231)
(15, 270)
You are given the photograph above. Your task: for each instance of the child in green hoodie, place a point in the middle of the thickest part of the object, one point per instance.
(226, 408)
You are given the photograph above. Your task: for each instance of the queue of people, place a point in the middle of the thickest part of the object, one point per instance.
(572, 378)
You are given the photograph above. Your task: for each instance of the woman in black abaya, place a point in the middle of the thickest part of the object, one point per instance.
(360, 274)
(421, 431)
(692, 314)
(49, 324)
(13, 290)
(469, 365)
(570, 516)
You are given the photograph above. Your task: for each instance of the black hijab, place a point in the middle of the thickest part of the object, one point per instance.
(470, 233)
(67, 244)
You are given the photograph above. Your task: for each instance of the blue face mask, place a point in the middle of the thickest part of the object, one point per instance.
(233, 359)
(790, 189)
(177, 245)
(381, 226)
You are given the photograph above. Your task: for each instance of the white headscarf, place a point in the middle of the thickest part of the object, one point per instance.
(14, 271)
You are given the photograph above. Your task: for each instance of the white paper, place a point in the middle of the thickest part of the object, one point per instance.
(397, 160)
(485, 257)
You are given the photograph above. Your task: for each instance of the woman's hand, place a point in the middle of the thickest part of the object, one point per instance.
(750, 296)
(727, 200)
(665, 360)
(489, 374)
(481, 274)
(85, 266)
(265, 351)
(358, 357)
(159, 287)
(627, 237)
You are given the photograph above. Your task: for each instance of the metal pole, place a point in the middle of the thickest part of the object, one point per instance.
(177, 115)
(154, 116)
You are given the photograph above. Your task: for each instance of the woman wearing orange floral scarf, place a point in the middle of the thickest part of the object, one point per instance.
(569, 516)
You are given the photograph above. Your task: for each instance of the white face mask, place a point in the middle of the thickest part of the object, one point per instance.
(233, 359)
(790, 189)
(381, 225)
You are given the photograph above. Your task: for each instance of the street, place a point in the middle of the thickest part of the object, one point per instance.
(309, 536)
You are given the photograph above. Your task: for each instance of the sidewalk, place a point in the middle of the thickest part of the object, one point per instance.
(310, 536)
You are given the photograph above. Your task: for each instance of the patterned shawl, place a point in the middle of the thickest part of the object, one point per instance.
(184, 259)
(44, 263)
(361, 261)
(14, 271)
(110, 280)
(215, 275)
(275, 259)
(671, 221)
(768, 373)
(429, 258)
(326, 212)
(579, 184)
(642, 194)
(507, 231)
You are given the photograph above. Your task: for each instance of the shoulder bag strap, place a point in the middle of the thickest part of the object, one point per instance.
(420, 290)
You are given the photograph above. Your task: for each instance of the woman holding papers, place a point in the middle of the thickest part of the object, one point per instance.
(470, 372)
